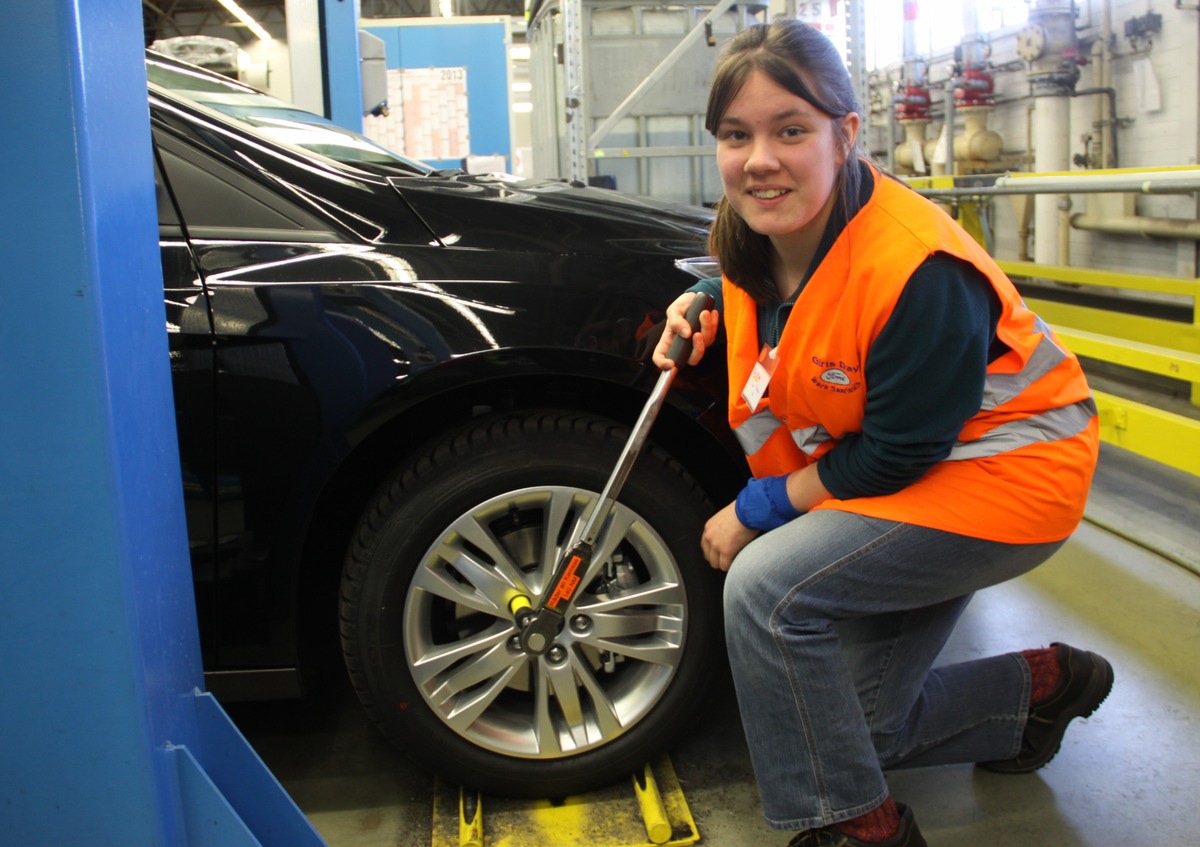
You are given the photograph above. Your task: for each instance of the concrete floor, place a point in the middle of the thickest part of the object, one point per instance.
(1128, 775)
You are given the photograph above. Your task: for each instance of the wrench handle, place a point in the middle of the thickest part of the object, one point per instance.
(680, 348)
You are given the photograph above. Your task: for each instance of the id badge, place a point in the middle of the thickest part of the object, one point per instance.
(760, 377)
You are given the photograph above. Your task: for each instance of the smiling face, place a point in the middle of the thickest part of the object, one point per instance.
(779, 157)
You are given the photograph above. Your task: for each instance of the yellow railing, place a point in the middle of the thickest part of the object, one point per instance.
(1151, 345)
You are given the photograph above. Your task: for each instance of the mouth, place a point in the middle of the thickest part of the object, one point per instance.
(767, 193)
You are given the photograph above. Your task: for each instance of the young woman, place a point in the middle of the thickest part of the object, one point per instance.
(915, 434)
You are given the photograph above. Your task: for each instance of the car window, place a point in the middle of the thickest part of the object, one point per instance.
(218, 202)
(275, 118)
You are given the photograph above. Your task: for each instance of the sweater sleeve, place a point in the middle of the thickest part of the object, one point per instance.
(925, 375)
(711, 287)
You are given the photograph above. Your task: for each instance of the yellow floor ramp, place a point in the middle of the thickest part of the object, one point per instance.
(649, 812)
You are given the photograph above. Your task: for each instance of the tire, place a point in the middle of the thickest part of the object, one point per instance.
(484, 513)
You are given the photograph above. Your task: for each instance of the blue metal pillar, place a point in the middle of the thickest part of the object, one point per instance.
(342, 63)
(105, 738)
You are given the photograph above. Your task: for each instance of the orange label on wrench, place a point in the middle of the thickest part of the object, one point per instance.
(567, 585)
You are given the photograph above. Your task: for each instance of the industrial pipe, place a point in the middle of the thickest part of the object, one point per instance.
(1182, 181)
(948, 130)
(1149, 227)
(1108, 126)
(914, 143)
(1109, 141)
(1064, 229)
(911, 106)
(1049, 45)
(977, 142)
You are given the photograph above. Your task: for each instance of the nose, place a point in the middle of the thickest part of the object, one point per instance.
(761, 157)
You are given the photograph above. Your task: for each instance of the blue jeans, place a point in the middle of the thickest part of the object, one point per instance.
(834, 622)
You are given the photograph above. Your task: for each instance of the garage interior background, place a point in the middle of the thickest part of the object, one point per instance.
(1129, 97)
(612, 93)
(1130, 101)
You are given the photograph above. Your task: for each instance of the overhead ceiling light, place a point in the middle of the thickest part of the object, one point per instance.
(240, 13)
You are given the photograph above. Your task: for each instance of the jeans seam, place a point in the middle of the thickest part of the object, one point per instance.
(878, 687)
(797, 696)
(836, 565)
(934, 742)
(801, 707)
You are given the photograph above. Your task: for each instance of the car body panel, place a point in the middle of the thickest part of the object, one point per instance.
(325, 317)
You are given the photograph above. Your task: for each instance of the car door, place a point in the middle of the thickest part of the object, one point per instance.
(247, 409)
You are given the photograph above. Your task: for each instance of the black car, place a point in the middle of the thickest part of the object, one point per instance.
(398, 393)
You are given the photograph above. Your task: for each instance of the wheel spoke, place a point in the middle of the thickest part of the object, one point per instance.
(493, 663)
(566, 694)
(604, 711)
(557, 510)
(437, 659)
(544, 731)
(658, 650)
(468, 709)
(505, 570)
(611, 535)
(453, 686)
(624, 625)
(633, 623)
(651, 593)
(441, 583)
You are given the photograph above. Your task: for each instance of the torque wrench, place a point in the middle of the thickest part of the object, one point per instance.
(541, 625)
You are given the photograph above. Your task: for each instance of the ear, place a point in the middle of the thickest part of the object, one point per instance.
(849, 127)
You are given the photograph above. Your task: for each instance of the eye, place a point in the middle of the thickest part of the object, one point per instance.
(793, 132)
(732, 135)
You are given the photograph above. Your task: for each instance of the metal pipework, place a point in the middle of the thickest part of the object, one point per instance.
(1182, 181)
(1048, 43)
(911, 106)
(1148, 227)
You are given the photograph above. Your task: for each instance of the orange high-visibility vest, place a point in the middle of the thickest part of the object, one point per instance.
(1023, 463)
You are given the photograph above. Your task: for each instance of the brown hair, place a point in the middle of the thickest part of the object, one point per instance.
(803, 61)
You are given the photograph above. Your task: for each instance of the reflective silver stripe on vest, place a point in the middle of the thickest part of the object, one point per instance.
(998, 389)
(1053, 425)
(760, 426)
(756, 429)
(811, 438)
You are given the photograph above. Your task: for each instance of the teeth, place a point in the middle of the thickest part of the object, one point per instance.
(768, 194)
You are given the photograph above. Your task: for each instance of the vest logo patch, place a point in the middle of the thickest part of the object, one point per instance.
(835, 376)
